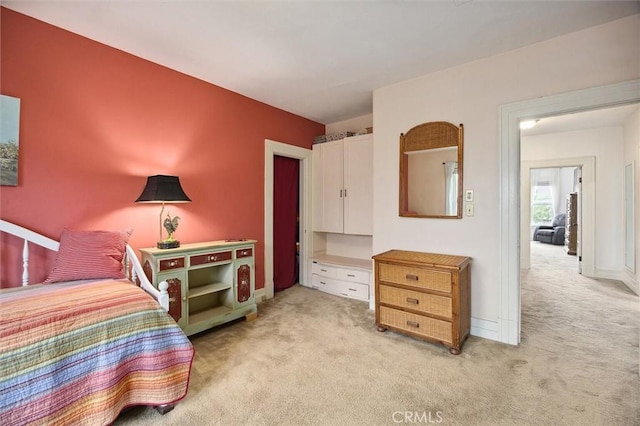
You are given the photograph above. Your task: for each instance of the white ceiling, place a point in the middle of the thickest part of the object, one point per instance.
(319, 59)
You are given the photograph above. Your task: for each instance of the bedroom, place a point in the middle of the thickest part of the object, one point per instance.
(120, 118)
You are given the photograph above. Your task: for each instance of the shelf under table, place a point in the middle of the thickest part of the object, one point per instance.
(207, 289)
(208, 314)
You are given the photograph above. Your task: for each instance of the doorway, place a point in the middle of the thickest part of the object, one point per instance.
(586, 208)
(509, 318)
(272, 149)
(286, 208)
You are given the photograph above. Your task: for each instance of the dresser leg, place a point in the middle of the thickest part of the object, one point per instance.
(454, 351)
(251, 317)
(381, 329)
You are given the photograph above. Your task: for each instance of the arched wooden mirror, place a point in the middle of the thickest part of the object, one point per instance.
(431, 171)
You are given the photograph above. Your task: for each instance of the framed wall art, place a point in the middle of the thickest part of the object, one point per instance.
(9, 130)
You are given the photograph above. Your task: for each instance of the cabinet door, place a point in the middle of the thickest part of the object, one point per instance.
(358, 183)
(332, 187)
(244, 284)
(178, 308)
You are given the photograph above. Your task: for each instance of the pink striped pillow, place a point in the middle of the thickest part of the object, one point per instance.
(89, 255)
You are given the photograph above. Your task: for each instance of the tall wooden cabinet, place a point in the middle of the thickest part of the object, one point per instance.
(424, 295)
(210, 283)
(343, 186)
(571, 224)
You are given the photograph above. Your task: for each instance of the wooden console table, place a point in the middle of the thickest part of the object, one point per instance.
(209, 283)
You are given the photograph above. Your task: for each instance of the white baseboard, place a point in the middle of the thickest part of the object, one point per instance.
(261, 295)
(485, 329)
(626, 277)
(631, 281)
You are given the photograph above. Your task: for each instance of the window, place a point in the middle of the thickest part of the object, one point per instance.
(541, 204)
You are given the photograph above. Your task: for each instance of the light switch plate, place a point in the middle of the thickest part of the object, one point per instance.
(469, 209)
(468, 195)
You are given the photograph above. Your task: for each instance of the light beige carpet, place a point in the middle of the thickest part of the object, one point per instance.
(315, 359)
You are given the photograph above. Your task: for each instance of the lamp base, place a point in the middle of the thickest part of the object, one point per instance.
(168, 244)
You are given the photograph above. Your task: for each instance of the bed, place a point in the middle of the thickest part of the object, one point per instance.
(80, 351)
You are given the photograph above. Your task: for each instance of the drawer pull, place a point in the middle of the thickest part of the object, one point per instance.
(244, 252)
(322, 282)
(351, 275)
(412, 300)
(412, 277)
(213, 258)
(323, 270)
(353, 289)
(413, 324)
(172, 263)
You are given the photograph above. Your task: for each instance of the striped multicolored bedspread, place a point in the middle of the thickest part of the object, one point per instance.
(80, 353)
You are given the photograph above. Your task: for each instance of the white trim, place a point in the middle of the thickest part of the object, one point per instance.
(587, 222)
(509, 181)
(484, 328)
(630, 281)
(273, 148)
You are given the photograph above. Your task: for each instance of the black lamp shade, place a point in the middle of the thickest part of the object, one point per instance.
(161, 188)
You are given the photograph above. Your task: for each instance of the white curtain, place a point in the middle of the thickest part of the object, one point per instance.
(451, 188)
(550, 178)
(554, 183)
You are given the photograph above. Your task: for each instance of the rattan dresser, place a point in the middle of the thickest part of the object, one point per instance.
(424, 295)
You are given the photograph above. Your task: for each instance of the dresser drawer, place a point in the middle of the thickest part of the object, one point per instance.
(422, 302)
(324, 270)
(418, 324)
(203, 259)
(244, 252)
(168, 264)
(415, 277)
(355, 275)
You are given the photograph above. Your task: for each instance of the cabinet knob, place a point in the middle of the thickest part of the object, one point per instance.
(184, 298)
(172, 263)
(213, 258)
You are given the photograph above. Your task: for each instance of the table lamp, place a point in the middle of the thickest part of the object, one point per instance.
(164, 189)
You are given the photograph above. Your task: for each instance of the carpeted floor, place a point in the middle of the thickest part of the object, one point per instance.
(315, 359)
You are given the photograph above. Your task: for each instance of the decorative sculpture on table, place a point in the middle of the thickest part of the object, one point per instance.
(171, 225)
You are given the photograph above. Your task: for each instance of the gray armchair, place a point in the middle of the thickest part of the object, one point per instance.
(551, 234)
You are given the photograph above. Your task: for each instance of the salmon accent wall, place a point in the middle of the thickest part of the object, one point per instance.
(96, 121)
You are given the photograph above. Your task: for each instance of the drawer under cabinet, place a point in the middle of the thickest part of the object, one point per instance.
(415, 277)
(417, 324)
(340, 288)
(432, 304)
(355, 275)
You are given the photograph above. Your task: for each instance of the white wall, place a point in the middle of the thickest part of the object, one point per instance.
(605, 144)
(631, 154)
(472, 94)
(357, 124)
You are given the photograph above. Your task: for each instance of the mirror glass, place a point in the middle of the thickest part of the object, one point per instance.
(431, 171)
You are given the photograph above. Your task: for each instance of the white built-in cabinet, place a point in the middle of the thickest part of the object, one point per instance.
(343, 186)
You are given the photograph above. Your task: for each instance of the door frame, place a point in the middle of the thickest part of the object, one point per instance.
(509, 119)
(587, 231)
(273, 148)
